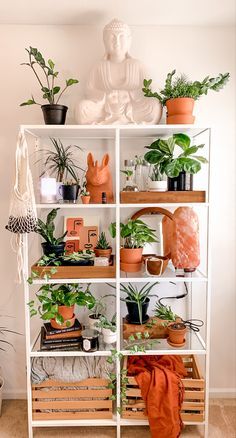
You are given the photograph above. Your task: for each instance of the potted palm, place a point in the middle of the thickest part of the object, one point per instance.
(179, 169)
(52, 245)
(137, 301)
(135, 235)
(57, 303)
(179, 95)
(108, 327)
(45, 73)
(103, 248)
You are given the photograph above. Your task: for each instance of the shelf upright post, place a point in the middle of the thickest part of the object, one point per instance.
(118, 320)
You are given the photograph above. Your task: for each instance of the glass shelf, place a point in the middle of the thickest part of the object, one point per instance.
(169, 275)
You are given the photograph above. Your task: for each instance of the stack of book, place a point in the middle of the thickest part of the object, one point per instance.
(65, 339)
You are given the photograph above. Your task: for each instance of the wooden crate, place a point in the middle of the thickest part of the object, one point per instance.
(77, 271)
(162, 197)
(54, 400)
(194, 396)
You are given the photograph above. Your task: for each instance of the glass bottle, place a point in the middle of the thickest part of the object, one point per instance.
(129, 171)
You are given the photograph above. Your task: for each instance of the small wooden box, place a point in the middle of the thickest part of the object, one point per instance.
(54, 400)
(194, 396)
(77, 271)
(162, 197)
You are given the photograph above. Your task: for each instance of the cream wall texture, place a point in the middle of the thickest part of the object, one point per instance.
(197, 51)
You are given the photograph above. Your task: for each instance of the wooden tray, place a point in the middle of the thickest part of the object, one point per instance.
(162, 197)
(157, 331)
(55, 400)
(194, 395)
(77, 271)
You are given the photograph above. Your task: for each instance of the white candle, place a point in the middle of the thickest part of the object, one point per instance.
(48, 190)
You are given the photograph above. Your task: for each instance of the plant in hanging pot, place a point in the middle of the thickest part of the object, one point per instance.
(57, 303)
(179, 95)
(103, 248)
(176, 334)
(108, 328)
(137, 301)
(156, 181)
(53, 112)
(179, 169)
(52, 245)
(135, 235)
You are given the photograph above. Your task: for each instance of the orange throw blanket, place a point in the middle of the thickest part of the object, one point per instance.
(159, 378)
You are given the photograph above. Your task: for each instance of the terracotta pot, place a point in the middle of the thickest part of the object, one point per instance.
(67, 312)
(130, 267)
(180, 111)
(67, 323)
(103, 252)
(131, 255)
(176, 334)
(85, 199)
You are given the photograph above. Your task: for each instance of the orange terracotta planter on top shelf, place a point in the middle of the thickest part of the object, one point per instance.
(180, 111)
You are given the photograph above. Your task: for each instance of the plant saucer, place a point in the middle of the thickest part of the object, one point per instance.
(176, 345)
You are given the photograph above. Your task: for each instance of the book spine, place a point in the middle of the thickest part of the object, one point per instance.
(60, 340)
(59, 347)
(60, 331)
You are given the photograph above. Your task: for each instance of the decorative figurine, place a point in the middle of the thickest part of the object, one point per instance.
(99, 180)
(114, 88)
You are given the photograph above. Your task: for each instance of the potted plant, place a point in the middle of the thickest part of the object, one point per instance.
(179, 95)
(103, 248)
(53, 113)
(57, 303)
(135, 234)
(85, 195)
(61, 162)
(179, 169)
(52, 245)
(176, 334)
(79, 258)
(137, 301)
(98, 309)
(155, 181)
(108, 329)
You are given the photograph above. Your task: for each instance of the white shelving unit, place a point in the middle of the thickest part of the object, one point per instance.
(195, 343)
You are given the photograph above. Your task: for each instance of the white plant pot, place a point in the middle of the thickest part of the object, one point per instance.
(157, 186)
(109, 337)
(93, 324)
(1, 392)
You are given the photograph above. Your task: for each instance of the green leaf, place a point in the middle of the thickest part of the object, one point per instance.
(70, 82)
(182, 140)
(153, 156)
(173, 168)
(33, 312)
(189, 165)
(28, 102)
(190, 151)
(200, 158)
(56, 90)
(51, 64)
(59, 319)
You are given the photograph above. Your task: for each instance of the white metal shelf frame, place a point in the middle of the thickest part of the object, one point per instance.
(116, 133)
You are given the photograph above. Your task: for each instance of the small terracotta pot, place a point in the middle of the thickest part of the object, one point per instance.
(85, 199)
(180, 111)
(176, 333)
(67, 312)
(103, 252)
(67, 323)
(131, 255)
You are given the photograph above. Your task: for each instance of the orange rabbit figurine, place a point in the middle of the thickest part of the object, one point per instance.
(99, 180)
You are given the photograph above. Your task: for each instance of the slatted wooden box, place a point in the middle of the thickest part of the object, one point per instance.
(194, 396)
(54, 400)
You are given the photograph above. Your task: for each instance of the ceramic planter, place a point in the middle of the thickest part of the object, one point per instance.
(69, 192)
(182, 182)
(109, 336)
(1, 392)
(157, 186)
(48, 248)
(133, 313)
(67, 312)
(176, 334)
(103, 252)
(156, 265)
(131, 259)
(93, 322)
(180, 111)
(54, 114)
(85, 199)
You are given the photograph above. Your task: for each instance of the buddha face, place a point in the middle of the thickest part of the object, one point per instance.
(117, 43)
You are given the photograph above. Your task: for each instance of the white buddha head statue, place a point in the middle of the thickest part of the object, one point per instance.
(117, 39)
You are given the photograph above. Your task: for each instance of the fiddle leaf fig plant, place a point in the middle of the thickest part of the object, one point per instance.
(45, 74)
(162, 153)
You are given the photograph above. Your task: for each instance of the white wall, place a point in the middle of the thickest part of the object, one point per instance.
(197, 51)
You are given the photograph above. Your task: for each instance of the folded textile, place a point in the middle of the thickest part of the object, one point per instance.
(159, 378)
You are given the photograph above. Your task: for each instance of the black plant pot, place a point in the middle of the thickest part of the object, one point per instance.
(53, 249)
(133, 313)
(182, 182)
(69, 192)
(54, 114)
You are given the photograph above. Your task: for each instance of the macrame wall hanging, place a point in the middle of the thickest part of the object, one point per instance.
(22, 214)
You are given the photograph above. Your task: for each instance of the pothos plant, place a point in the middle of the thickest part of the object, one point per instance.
(135, 233)
(162, 153)
(45, 74)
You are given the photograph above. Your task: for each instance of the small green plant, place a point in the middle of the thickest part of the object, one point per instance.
(102, 242)
(135, 233)
(156, 174)
(61, 161)
(45, 74)
(162, 154)
(127, 173)
(139, 343)
(79, 256)
(84, 191)
(46, 229)
(182, 87)
(105, 323)
(164, 312)
(51, 296)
